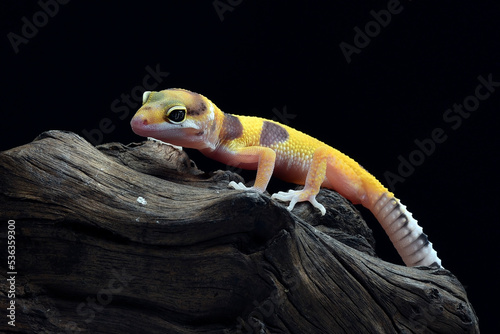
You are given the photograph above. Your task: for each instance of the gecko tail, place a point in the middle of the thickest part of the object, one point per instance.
(406, 235)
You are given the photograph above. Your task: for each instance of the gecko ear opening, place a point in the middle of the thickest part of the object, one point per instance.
(145, 96)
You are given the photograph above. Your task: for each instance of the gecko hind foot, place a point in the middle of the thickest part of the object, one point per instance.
(295, 196)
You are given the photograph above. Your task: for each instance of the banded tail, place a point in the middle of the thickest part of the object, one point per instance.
(406, 235)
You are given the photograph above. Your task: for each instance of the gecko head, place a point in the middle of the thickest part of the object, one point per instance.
(175, 116)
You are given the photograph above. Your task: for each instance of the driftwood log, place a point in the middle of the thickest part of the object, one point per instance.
(135, 239)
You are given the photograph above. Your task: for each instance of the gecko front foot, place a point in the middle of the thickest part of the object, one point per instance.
(295, 196)
(241, 186)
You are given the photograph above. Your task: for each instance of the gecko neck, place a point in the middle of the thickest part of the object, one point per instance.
(207, 137)
(224, 128)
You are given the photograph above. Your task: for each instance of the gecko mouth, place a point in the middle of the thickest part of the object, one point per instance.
(173, 134)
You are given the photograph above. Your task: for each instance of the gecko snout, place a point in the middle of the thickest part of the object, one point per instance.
(138, 123)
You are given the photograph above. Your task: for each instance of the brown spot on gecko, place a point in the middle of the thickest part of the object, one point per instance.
(272, 133)
(197, 107)
(404, 217)
(424, 239)
(231, 127)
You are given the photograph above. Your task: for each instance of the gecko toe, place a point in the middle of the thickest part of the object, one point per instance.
(237, 186)
(317, 205)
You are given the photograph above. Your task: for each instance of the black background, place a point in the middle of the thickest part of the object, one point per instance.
(261, 56)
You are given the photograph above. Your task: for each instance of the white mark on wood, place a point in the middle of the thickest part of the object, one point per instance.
(142, 200)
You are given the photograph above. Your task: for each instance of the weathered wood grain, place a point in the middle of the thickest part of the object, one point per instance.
(135, 239)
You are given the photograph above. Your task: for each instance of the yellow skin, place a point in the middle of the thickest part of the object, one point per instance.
(188, 119)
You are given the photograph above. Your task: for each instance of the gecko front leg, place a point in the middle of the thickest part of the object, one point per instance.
(315, 177)
(265, 158)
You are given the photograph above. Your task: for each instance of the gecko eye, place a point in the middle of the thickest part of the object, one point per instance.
(176, 114)
(145, 96)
